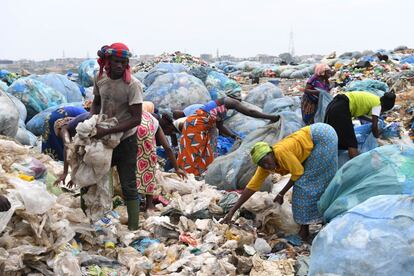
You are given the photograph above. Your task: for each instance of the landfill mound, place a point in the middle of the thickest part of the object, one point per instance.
(45, 231)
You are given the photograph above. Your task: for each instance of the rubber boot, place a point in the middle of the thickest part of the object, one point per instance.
(133, 214)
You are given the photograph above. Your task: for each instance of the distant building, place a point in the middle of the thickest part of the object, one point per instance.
(6, 61)
(207, 57)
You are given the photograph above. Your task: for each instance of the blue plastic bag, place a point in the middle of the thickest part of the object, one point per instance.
(373, 238)
(87, 72)
(161, 69)
(176, 91)
(35, 95)
(217, 83)
(384, 170)
(263, 93)
(374, 86)
(61, 83)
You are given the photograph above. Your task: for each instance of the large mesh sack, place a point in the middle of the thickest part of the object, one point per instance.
(62, 84)
(263, 93)
(373, 238)
(384, 170)
(9, 116)
(374, 86)
(234, 170)
(241, 123)
(161, 69)
(35, 95)
(217, 83)
(175, 91)
(87, 72)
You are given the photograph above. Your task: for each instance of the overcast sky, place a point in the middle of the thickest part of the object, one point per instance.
(43, 29)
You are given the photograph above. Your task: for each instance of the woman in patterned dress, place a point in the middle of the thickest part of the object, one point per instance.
(149, 135)
(310, 155)
(319, 81)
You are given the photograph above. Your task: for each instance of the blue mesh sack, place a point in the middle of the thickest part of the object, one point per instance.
(217, 83)
(373, 238)
(161, 69)
(176, 91)
(263, 93)
(384, 170)
(61, 83)
(374, 86)
(87, 72)
(234, 170)
(37, 124)
(35, 95)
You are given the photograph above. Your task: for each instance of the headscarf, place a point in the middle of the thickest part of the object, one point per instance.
(115, 49)
(321, 68)
(233, 93)
(148, 107)
(259, 150)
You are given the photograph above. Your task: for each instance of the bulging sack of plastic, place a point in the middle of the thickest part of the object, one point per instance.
(3, 85)
(66, 264)
(200, 72)
(20, 107)
(87, 72)
(61, 83)
(36, 199)
(9, 116)
(234, 170)
(24, 136)
(241, 123)
(140, 75)
(176, 91)
(161, 69)
(36, 125)
(324, 99)
(282, 104)
(35, 95)
(374, 86)
(386, 170)
(373, 238)
(217, 83)
(263, 93)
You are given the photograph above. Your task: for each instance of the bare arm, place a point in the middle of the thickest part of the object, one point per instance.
(162, 140)
(96, 105)
(223, 130)
(246, 194)
(174, 140)
(375, 130)
(177, 114)
(234, 104)
(135, 110)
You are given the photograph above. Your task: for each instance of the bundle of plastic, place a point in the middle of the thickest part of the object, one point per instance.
(385, 170)
(87, 72)
(161, 69)
(263, 93)
(217, 83)
(374, 86)
(176, 91)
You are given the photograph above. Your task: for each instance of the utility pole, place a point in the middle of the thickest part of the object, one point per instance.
(291, 44)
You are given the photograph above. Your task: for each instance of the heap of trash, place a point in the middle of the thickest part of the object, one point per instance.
(47, 233)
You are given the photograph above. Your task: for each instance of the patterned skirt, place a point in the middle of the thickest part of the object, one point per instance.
(320, 168)
(309, 105)
(195, 151)
(147, 155)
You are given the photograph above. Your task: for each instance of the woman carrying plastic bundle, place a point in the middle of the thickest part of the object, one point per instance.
(319, 81)
(344, 107)
(310, 155)
(60, 127)
(149, 135)
(56, 127)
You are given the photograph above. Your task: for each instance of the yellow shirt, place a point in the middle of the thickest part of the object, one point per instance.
(290, 153)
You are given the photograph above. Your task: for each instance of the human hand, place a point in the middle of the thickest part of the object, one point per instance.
(227, 218)
(100, 132)
(181, 173)
(279, 199)
(4, 204)
(60, 179)
(275, 118)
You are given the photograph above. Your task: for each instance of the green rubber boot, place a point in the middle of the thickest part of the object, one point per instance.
(133, 214)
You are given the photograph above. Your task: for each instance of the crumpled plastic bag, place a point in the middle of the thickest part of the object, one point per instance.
(272, 268)
(9, 116)
(66, 265)
(171, 182)
(36, 199)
